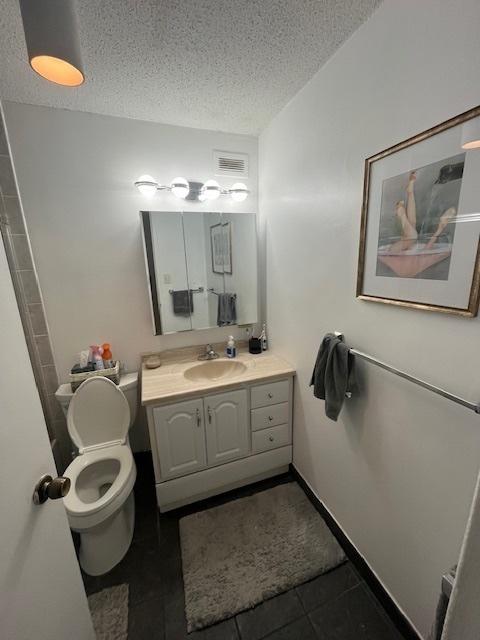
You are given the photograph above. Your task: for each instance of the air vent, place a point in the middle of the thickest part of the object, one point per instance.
(230, 164)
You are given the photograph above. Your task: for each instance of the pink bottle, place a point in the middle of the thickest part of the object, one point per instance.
(97, 352)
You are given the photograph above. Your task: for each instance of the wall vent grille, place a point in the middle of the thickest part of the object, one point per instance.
(230, 164)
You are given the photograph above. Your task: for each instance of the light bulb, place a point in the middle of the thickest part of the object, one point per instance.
(147, 186)
(239, 192)
(211, 190)
(180, 187)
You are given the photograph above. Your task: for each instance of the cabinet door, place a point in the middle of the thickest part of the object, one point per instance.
(180, 433)
(226, 420)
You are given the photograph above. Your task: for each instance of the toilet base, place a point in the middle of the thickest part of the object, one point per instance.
(103, 546)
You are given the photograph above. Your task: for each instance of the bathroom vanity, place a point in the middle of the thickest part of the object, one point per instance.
(216, 425)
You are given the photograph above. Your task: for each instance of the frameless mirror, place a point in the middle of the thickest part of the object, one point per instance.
(202, 269)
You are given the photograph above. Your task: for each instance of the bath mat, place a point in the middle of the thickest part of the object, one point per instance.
(238, 554)
(109, 609)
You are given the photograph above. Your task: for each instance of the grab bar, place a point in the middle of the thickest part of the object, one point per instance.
(473, 406)
(199, 290)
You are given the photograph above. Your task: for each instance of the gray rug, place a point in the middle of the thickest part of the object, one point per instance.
(238, 554)
(109, 609)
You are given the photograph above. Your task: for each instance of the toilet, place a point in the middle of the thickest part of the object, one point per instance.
(100, 503)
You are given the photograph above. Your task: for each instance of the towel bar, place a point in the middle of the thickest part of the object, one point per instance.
(473, 406)
(212, 290)
(199, 290)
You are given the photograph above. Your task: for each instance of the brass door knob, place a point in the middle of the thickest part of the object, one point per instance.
(47, 487)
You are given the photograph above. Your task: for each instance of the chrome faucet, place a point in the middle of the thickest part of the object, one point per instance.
(210, 353)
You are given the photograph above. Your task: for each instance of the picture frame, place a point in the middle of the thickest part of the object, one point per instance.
(221, 248)
(420, 222)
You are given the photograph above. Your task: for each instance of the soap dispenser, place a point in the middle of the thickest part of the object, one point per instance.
(231, 350)
(263, 337)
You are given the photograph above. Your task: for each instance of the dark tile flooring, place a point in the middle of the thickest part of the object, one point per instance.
(335, 606)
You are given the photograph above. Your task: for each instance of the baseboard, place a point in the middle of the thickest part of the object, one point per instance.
(394, 612)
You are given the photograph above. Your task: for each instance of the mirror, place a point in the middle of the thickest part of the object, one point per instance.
(202, 269)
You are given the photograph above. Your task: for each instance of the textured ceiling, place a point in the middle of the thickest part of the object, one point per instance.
(228, 65)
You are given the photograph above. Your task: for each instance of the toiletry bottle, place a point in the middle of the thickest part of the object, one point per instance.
(97, 357)
(107, 356)
(231, 350)
(263, 337)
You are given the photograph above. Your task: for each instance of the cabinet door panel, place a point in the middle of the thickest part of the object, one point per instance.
(180, 433)
(227, 427)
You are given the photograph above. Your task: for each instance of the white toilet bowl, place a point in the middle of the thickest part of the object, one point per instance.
(100, 502)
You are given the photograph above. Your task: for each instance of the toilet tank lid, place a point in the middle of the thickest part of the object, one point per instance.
(127, 381)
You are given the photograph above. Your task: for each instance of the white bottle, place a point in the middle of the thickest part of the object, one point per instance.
(231, 350)
(263, 338)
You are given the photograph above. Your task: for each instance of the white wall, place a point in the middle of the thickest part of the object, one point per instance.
(76, 172)
(196, 253)
(244, 279)
(398, 469)
(169, 260)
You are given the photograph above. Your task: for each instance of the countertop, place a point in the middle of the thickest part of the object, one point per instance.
(167, 383)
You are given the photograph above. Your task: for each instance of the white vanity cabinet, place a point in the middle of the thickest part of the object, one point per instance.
(220, 441)
(226, 420)
(210, 430)
(180, 435)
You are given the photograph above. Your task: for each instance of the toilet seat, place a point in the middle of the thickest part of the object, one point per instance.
(84, 515)
(98, 415)
(98, 420)
(121, 453)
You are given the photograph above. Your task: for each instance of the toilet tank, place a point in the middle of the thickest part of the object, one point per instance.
(128, 384)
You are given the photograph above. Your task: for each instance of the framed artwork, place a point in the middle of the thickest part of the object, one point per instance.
(419, 236)
(227, 243)
(221, 246)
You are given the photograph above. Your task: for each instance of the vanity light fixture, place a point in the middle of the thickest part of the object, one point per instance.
(471, 134)
(239, 192)
(52, 40)
(211, 190)
(181, 188)
(147, 186)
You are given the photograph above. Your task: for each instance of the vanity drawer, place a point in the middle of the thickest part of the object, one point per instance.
(273, 393)
(271, 438)
(270, 416)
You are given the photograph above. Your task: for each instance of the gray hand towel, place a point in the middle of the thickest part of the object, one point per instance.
(333, 374)
(182, 302)
(227, 309)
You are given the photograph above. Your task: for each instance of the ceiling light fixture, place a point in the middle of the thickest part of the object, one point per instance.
(471, 134)
(51, 36)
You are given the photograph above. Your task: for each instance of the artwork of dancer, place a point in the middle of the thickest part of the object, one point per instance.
(417, 221)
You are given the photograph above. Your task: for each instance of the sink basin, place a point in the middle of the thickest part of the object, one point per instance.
(215, 370)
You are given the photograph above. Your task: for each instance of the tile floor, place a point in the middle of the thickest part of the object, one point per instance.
(335, 606)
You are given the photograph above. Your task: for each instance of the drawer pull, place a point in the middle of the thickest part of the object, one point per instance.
(270, 395)
(271, 438)
(270, 418)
